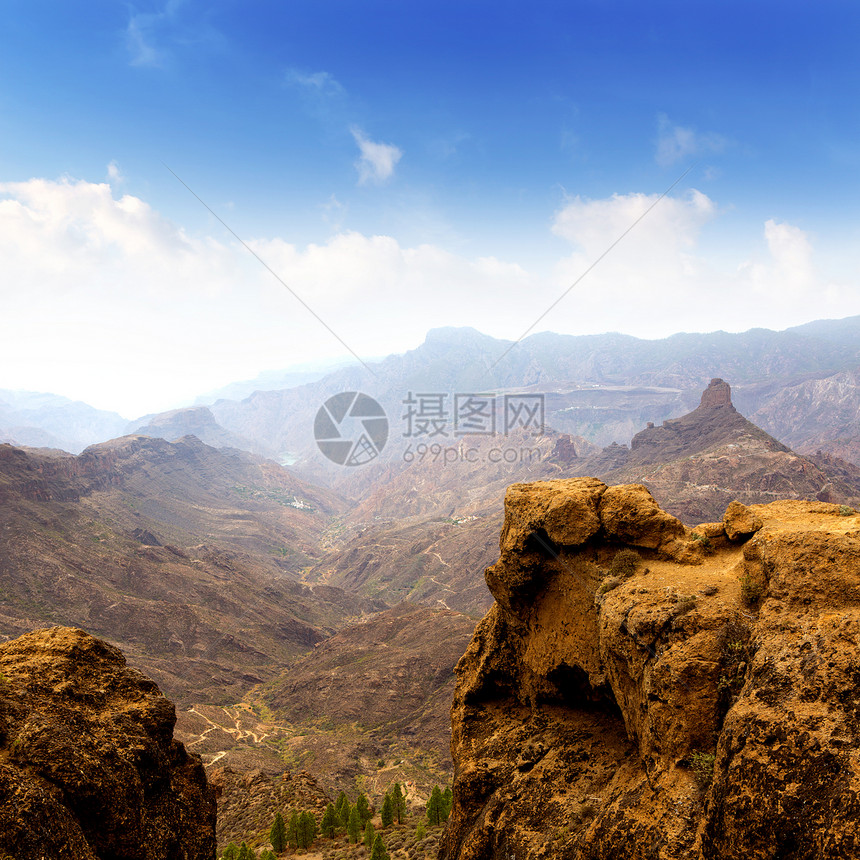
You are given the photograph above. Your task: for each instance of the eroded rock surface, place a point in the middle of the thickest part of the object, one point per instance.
(89, 768)
(706, 705)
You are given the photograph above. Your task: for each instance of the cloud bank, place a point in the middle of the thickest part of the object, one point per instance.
(110, 302)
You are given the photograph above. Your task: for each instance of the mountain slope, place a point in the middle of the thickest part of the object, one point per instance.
(179, 553)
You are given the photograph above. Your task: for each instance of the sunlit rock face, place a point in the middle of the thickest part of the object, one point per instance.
(699, 702)
(89, 767)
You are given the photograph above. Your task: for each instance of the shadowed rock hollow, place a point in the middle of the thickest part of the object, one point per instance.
(704, 705)
(89, 768)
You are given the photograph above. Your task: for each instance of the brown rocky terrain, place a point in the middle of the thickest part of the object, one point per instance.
(197, 421)
(694, 466)
(88, 764)
(432, 562)
(393, 673)
(695, 700)
(822, 413)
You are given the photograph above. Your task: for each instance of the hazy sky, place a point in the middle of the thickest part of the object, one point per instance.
(404, 165)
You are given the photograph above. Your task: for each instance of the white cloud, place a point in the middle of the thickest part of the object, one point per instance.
(789, 273)
(139, 42)
(106, 300)
(114, 174)
(377, 160)
(675, 142)
(316, 83)
(153, 37)
(662, 278)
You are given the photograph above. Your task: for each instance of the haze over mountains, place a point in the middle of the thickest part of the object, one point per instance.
(798, 384)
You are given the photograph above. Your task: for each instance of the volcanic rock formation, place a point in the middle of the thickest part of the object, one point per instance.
(89, 768)
(700, 702)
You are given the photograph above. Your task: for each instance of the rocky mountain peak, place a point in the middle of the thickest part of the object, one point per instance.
(718, 393)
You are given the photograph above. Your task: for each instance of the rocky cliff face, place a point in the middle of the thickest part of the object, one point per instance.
(701, 702)
(88, 764)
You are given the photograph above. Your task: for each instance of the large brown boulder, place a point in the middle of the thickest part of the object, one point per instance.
(88, 764)
(698, 708)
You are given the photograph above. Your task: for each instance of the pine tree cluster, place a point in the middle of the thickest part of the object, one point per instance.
(343, 817)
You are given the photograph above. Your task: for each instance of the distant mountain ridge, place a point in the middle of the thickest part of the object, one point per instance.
(600, 387)
(50, 421)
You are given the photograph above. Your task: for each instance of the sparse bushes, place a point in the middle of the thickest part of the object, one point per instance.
(387, 813)
(624, 564)
(438, 806)
(363, 807)
(329, 823)
(734, 651)
(398, 802)
(294, 829)
(369, 835)
(845, 511)
(353, 825)
(704, 540)
(751, 589)
(379, 852)
(686, 603)
(702, 765)
(278, 833)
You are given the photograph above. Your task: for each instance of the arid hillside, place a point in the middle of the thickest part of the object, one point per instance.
(183, 555)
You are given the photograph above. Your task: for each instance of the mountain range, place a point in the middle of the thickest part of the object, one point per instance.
(311, 615)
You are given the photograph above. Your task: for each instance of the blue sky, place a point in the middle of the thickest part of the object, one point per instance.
(409, 164)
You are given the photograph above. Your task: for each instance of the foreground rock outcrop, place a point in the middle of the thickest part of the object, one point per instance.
(702, 701)
(89, 768)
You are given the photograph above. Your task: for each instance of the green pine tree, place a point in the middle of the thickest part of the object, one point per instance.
(447, 801)
(329, 823)
(278, 834)
(434, 807)
(387, 811)
(345, 810)
(268, 855)
(420, 831)
(353, 826)
(363, 808)
(369, 835)
(338, 804)
(379, 852)
(307, 829)
(398, 802)
(246, 853)
(231, 852)
(293, 830)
